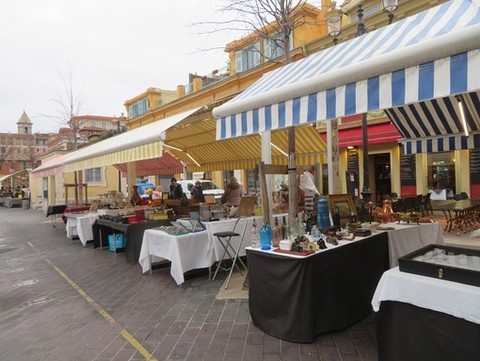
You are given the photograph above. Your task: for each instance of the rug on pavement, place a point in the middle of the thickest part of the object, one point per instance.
(237, 289)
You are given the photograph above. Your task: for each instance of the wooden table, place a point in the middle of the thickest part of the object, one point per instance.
(461, 216)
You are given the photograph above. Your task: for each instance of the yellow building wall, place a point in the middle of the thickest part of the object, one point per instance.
(462, 171)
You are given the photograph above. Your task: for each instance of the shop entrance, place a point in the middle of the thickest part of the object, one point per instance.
(383, 184)
(441, 175)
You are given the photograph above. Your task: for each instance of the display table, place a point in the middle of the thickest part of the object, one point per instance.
(297, 298)
(423, 318)
(80, 225)
(13, 202)
(193, 250)
(407, 238)
(133, 233)
(185, 252)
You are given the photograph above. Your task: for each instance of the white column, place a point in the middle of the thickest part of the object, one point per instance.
(131, 178)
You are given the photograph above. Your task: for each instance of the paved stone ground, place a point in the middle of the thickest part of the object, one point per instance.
(61, 301)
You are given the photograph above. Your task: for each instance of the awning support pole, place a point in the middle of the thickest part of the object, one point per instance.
(292, 178)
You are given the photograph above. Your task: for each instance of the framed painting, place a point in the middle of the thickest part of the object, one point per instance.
(345, 206)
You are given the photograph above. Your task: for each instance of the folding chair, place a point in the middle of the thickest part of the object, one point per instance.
(225, 239)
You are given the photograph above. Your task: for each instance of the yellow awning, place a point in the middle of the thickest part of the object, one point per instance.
(146, 151)
(195, 144)
(141, 143)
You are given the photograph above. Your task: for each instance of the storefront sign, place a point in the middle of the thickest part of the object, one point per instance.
(407, 170)
(475, 166)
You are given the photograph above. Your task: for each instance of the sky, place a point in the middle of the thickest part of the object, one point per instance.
(113, 50)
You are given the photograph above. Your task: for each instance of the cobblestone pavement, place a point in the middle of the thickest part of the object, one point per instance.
(62, 301)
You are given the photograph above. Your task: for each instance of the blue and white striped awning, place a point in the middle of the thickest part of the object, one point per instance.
(436, 125)
(431, 55)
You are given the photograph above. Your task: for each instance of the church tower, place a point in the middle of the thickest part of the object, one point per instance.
(24, 124)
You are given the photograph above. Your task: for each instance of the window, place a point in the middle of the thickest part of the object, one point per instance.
(273, 46)
(138, 108)
(94, 175)
(248, 58)
(441, 171)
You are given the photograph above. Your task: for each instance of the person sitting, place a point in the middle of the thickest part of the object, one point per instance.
(197, 193)
(233, 193)
(176, 190)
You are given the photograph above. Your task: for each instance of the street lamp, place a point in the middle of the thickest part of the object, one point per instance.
(390, 6)
(334, 25)
(334, 22)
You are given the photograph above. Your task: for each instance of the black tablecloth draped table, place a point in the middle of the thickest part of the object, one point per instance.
(407, 332)
(133, 234)
(296, 299)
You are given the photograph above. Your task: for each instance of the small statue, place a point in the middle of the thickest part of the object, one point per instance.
(135, 199)
(385, 214)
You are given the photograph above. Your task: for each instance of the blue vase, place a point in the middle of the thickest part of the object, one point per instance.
(266, 237)
(323, 215)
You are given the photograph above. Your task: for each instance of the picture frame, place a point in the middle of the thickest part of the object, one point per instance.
(345, 205)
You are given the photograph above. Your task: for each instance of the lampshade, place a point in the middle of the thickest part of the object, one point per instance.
(390, 5)
(334, 21)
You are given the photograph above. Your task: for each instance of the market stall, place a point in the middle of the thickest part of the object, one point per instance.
(298, 297)
(408, 307)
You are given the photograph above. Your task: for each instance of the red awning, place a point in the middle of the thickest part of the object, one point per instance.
(377, 134)
(164, 165)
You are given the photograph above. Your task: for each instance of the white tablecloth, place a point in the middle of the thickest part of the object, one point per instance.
(456, 299)
(409, 237)
(185, 252)
(80, 225)
(227, 225)
(193, 250)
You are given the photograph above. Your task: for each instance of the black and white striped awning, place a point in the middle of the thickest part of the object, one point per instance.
(436, 125)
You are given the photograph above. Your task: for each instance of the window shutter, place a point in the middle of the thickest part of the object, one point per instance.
(256, 55)
(238, 62)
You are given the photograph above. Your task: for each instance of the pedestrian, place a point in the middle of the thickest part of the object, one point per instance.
(197, 193)
(233, 193)
(176, 190)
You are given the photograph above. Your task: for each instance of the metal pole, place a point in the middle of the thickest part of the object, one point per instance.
(366, 191)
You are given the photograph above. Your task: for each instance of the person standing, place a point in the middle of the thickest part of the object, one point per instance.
(233, 193)
(176, 189)
(197, 193)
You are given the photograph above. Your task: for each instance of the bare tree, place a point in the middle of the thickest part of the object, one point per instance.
(5, 156)
(32, 153)
(271, 20)
(69, 103)
(274, 21)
